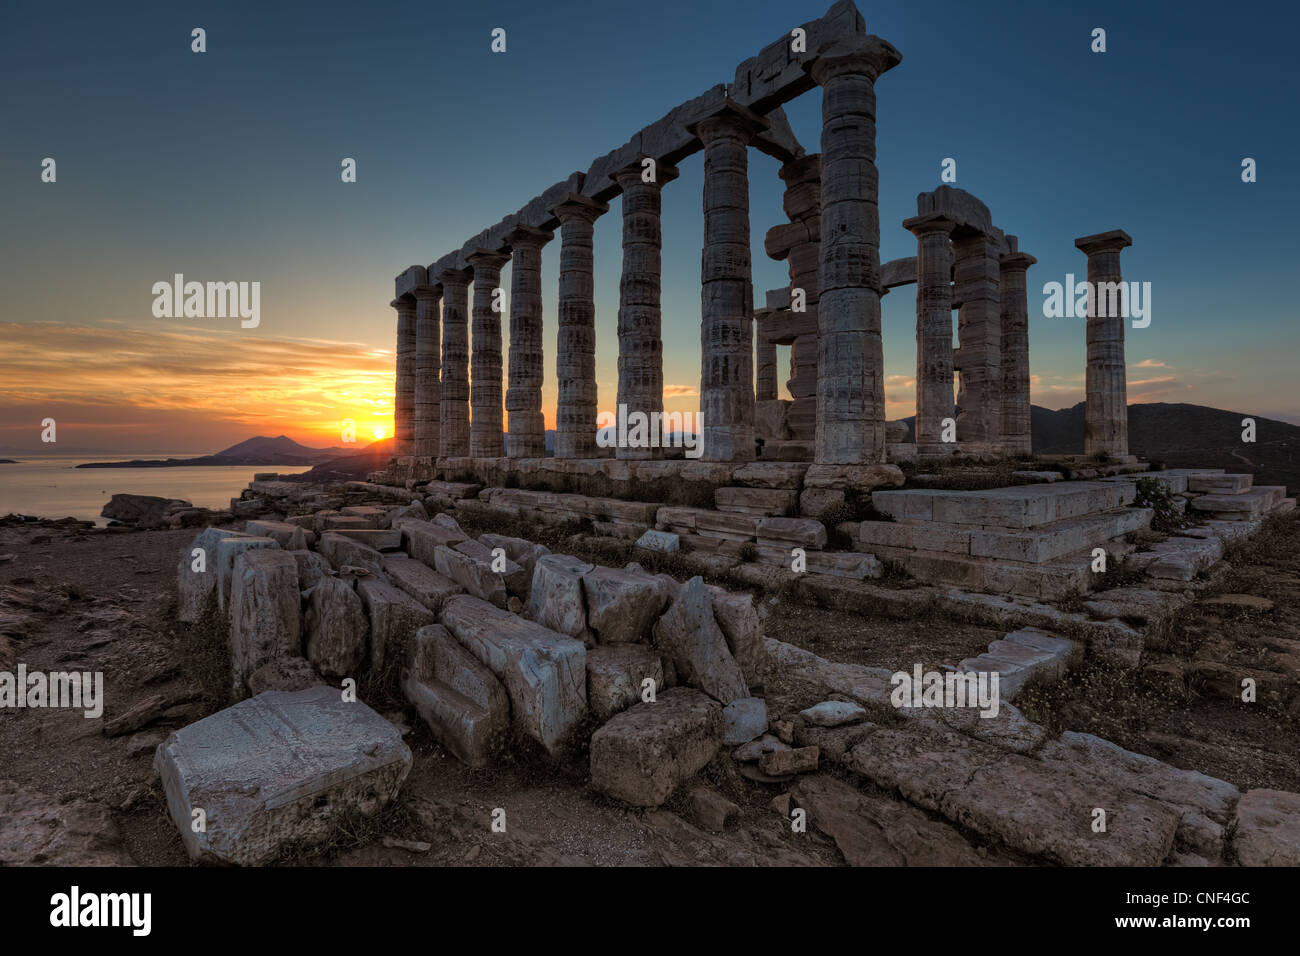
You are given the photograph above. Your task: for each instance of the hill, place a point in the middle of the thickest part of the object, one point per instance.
(259, 451)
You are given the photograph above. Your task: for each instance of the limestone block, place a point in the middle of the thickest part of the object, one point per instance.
(394, 616)
(621, 606)
(337, 629)
(743, 720)
(264, 611)
(195, 588)
(791, 532)
(755, 501)
(228, 549)
(738, 619)
(287, 536)
(422, 538)
(664, 541)
(280, 768)
(557, 598)
(341, 551)
(689, 635)
(544, 673)
(642, 755)
(616, 674)
(466, 707)
(380, 540)
(471, 573)
(420, 581)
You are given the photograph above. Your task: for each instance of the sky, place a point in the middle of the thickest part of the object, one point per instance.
(225, 166)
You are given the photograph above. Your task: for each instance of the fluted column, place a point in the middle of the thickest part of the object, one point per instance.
(454, 418)
(404, 394)
(979, 339)
(850, 367)
(428, 362)
(765, 358)
(727, 290)
(1017, 440)
(933, 330)
(1106, 389)
(575, 359)
(640, 319)
(486, 439)
(526, 428)
(803, 205)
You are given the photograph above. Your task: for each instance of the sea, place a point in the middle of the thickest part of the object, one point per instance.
(53, 487)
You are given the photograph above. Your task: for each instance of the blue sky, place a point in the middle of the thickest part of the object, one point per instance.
(225, 166)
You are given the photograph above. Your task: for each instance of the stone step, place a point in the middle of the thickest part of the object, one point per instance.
(1175, 479)
(1020, 655)
(1035, 546)
(1019, 506)
(1178, 559)
(1047, 581)
(1219, 484)
(1252, 503)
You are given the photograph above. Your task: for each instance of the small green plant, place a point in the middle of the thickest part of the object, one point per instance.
(1167, 516)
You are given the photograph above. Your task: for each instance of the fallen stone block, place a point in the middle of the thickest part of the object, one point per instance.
(228, 549)
(421, 539)
(497, 561)
(284, 674)
(473, 575)
(420, 581)
(742, 627)
(544, 673)
(311, 568)
(782, 763)
(278, 769)
(743, 720)
(690, 636)
(394, 616)
(194, 588)
(288, 536)
(337, 629)
(622, 606)
(557, 598)
(616, 675)
(642, 755)
(519, 550)
(664, 541)
(466, 707)
(265, 612)
(342, 551)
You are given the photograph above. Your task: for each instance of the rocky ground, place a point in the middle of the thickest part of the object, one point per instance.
(103, 600)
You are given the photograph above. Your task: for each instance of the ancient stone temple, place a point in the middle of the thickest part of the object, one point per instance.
(828, 316)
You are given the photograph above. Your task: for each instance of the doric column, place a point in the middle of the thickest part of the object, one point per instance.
(850, 367)
(933, 330)
(1017, 440)
(526, 437)
(404, 395)
(803, 205)
(765, 358)
(727, 290)
(1106, 411)
(454, 418)
(428, 362)
(486, 439)
(979, 341)
(575, 359)
(640, 337)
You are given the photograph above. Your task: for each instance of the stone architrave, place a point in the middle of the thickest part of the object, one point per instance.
(428, 363)
(640, 319)
(454, 417)
(404, 394)
(1106, 388)
(526, 429)
(486, 438)
(575, 358)
(934, 400)
(850, 372)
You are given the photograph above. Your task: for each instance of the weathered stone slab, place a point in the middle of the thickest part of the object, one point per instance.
(466, 707)
(287, 536)
(311, 568)
(755, 501)
(228, 549)
(1019, 506)
(1219, 484)
(689, 635)
(664, 541)
(264, 612)
(616, 674)
(421, 539)
(394, 616)
(744, 719)
(791, 532)
(544, 673)
(277, 769)
(738, 618)
(1268, 829)
(642, 755)
(557, 598)
(519, 550)
(420, 581)
(343, 552)
(336, 628)
(622, 606)
(471, 573)
(381, 540)
(195, 588)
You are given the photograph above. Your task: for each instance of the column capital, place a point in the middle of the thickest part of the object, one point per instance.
(929, 224)
(1017, 260)
(577, 206)
(630, 175)
(1111, 241)
(454, 277)
(869, 55)
(728, 120)
(403, 304)
(522, 235)
(425, 293)
(487, 259)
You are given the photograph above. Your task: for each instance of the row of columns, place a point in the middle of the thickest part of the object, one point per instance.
(849, 384)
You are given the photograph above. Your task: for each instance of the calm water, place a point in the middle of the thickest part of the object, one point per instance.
(55, 488)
